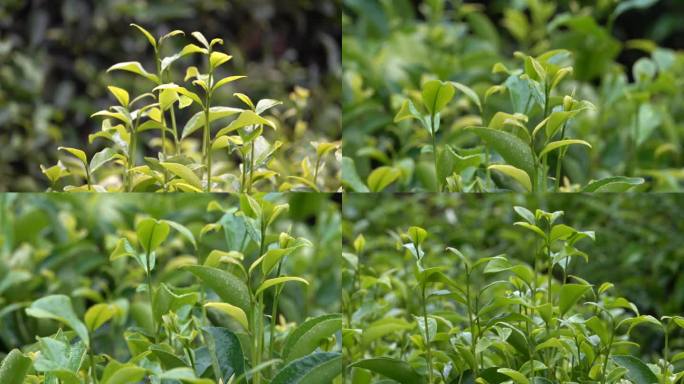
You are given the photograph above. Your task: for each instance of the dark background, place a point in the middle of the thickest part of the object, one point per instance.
(54, 54)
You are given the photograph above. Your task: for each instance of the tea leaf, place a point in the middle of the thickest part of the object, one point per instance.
(123, 374)
(101, 158)
(436, 95)
(350, 178)
(277, 281)
(613, 184)
(218, 58)
(394, 369)
(135, 67)
(99, 314)
(226, 285)
(382, 177)
(148, 35)
(226, 353)
(151, 233)
(183, 230)
(14, 368)
(200, 37)
(121, 95)
(518, 174)
(76, 152)
(184, 173)
(226, 80)
(232, 311)
(166, 301)
(215, 113)
(518, 377)
(309, 335)
(319, 367)
(561, 143)
(638, 372)
(515, 151)
(569, 295)
(58, 307)
(469, 93)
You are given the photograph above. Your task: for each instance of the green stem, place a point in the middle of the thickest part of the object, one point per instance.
(150, 295)
(93, 371)
(251, 168)
(434, 152)
(605, 361)
(206, 147)
(175, 130)
(471, 322)
(427, 335)
(315, 175)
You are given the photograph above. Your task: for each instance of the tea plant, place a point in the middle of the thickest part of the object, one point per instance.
(212, 318)
(569, 115)
(177, 166)
(494, 319)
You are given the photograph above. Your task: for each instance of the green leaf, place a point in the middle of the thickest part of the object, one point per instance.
(264, 105)
(58, 307)
(321, 367)
(561, 143)
(200, 37)
(166, 301)
(184, 173)
(394, 369)
(76, 152)
(167, 97)
(185, 375)
(638, 372)
(407, 111)
(227, 286)
(569, 295)
(151, 233)
(117, 373)
(120, 94)
(218, 58)
(350, 178)
(226, 353)
(277, 281)
(135, 67)
(232, 311)
(148, 35)
(309, 335)
(436, 95)
(515, 151)
(101, 158)
(516, 173)
(613, 184)
(183, 230)
(469, 93)
(246, 118)
(525, 214)
(123, 248)
(518, 377)
(215, 113)
(99, 314)
(382, 177)
(226, 80)
(14, 368)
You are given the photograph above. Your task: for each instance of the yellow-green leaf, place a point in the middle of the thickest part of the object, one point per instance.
(148, 35)
(382, 177)
(76, 152)
(232, 311)
(120, 94)
(277, 281)
(184, 173)
(561, 143)
(218, 58)
(99, 314)
(516, 173)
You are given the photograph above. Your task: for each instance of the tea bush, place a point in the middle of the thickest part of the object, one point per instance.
(525, 96)
(184, 290)
(429, 305)
(178, 166)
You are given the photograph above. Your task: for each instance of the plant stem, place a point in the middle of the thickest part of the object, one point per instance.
(150, 295)
(315, 175)
(206, 147)
(434, 151)
(93, 371)
(427, 335)
(471, 321)
(610, 344)
(251, 168)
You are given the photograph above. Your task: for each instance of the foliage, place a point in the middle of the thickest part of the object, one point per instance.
(525, 96)
(186, 290)
(176, 167)
(53, 77)
(444, 304)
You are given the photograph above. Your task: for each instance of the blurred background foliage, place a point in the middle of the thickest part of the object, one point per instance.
(391, 46)
(637, 246)
(60, 243)
(54, 54)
